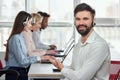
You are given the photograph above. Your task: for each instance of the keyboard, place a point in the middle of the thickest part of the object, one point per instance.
(45, 62)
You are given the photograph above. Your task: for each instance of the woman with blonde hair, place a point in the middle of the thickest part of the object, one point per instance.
(36, 24)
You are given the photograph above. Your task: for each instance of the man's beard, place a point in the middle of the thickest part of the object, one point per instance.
(85, 32)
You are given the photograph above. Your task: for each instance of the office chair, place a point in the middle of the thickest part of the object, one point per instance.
(114, 70)
(8, 71)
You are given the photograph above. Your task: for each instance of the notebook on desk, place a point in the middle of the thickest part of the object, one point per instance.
(66, 51)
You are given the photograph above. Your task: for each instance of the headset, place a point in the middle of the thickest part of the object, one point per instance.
(33, 21)
(93, 24)
(25, 22)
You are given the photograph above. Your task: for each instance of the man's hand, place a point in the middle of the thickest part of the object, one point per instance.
(56, 63)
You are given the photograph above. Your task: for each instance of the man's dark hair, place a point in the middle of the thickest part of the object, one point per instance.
(44, 14)
(84, 7)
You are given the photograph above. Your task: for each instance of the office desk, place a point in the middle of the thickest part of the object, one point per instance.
(43, 71)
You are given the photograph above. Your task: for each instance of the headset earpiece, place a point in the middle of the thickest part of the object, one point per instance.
(33, 21)
(93, 23)
(25, 23)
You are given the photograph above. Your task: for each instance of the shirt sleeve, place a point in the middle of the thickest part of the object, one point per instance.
(37, 52)
(95, 59)
(21, 54)
(37, 41)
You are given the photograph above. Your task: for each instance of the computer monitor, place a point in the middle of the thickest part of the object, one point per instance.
(67, 49)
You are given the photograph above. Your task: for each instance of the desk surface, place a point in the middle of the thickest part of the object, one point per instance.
(38, 70)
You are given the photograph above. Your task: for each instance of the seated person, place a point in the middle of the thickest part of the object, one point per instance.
(16, 51)
(36, 20)
(36, 34)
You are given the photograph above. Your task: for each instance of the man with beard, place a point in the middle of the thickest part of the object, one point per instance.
(91, 55)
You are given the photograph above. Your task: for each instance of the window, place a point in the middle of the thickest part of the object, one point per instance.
(105, 8)
(58, 11)
(9, 9)
(60, 27)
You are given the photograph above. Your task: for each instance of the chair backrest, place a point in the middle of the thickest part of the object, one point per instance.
(8, 71)
(1, 66)
(114, 70)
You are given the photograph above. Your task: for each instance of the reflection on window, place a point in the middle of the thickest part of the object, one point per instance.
(55, 33)
(105, 8)
(52, 35)
(55, 8)
(9, 9)
(4, 34)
